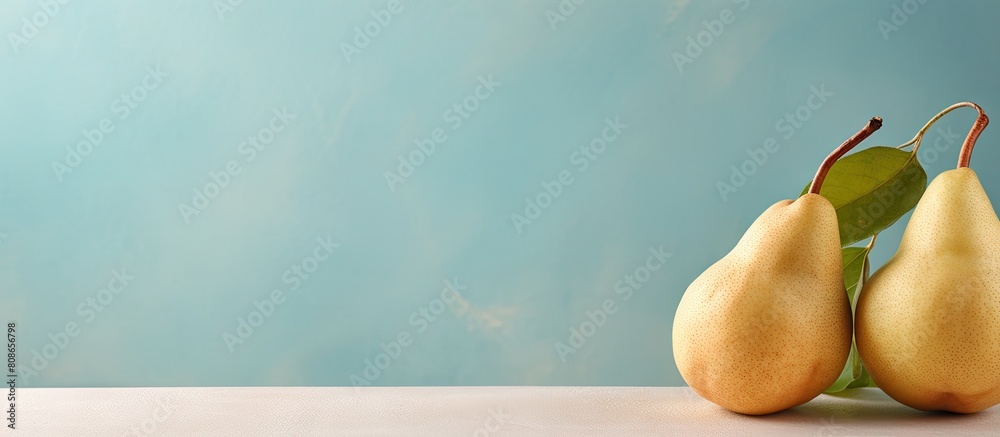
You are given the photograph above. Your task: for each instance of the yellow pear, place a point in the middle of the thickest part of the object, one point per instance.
(768, 326)
(928, 321)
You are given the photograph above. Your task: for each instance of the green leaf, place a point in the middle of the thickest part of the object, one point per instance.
(854, 262)
(865, 380)
(872, 189)
(856, 268)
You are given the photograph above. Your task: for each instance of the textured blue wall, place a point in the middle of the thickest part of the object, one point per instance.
(427, 192)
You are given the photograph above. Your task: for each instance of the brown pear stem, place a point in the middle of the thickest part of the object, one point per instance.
(873, 125)
(965, 155)
(970, 141)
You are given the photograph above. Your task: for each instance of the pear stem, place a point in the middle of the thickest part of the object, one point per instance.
(965, 155)
(970, 141)
(871, 243)
(873, 125)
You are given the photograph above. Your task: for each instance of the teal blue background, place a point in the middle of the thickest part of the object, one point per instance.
(324, 175)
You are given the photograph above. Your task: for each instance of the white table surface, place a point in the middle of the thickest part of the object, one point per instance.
(447, 411)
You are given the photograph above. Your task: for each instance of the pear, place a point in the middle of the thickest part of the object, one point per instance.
(768, 326)
(928, 321)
